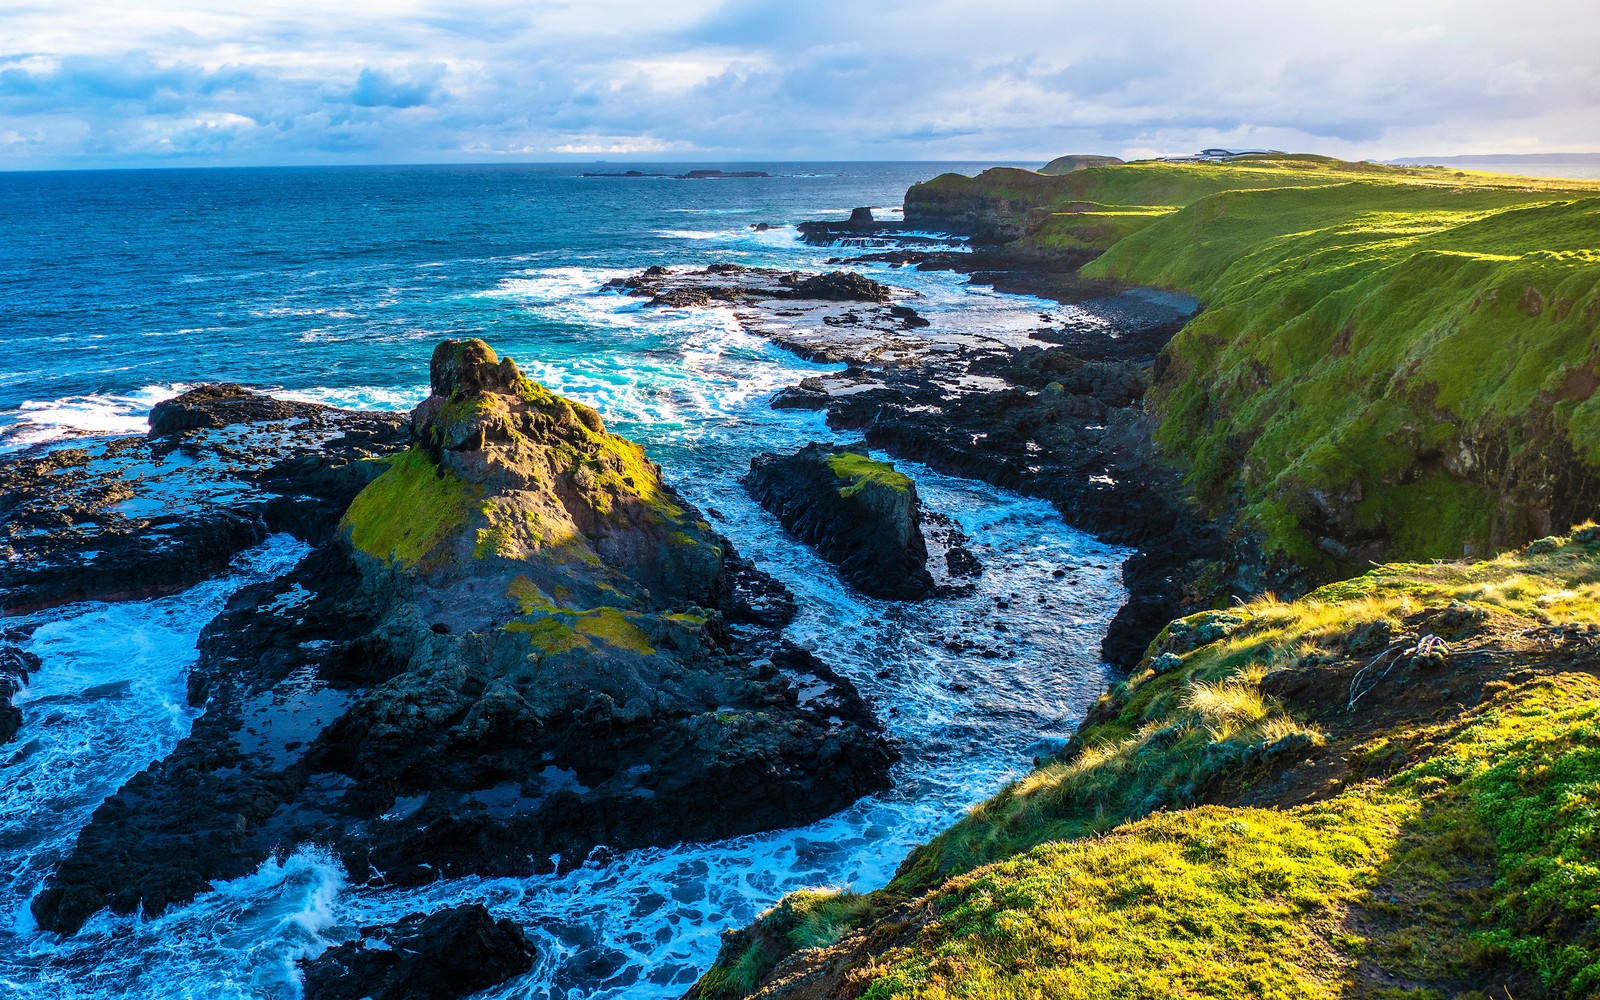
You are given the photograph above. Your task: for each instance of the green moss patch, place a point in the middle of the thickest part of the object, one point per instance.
(406, 512)
(859, 472)
(614, 626)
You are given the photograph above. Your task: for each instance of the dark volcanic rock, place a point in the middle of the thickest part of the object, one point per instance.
(841, 286)
(222, 404)
(859, 514)
(16, 664)
(138, 517)
(519, 645)
(440, 956)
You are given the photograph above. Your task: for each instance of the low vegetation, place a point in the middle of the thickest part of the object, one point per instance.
(405, 513)
(859, 471)
(1389, 788)
(1391, 362)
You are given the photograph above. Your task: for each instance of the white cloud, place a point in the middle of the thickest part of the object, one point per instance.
(88, 83)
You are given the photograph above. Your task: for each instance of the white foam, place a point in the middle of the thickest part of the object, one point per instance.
(358, 397)
(100, 414)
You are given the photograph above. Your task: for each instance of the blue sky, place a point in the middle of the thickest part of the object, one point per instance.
(351, 81)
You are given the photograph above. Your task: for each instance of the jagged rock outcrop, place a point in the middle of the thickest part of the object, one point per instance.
(859, 514)
(16, 664)
(519, 645)
(132, 517)
(437, 956)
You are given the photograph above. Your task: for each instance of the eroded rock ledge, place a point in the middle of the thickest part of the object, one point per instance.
(518, 645)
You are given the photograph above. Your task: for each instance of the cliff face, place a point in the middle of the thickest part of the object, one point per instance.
(520, 644)
(1391, 363)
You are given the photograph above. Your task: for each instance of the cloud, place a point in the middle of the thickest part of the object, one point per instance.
(292, 81)
(376, 88)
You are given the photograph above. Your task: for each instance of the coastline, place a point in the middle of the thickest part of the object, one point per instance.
(1067, 409)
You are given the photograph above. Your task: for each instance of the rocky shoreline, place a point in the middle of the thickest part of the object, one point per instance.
(1057, 414)
(509, 644)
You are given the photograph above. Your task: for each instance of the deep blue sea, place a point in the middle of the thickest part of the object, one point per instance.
(118, 289)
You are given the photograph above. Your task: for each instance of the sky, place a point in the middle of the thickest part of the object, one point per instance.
(134, 84)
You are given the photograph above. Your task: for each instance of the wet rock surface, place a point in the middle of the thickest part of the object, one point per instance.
(438, 956)
(132, 517)
(16, 664)
(1056, 413)
(858, 514)
(517, 645)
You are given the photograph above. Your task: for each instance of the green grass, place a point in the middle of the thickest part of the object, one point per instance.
(1392, 356)
(1420, 354)
(1240, 902)
(404, 514)
(1458, 844)
(811, 918)
(858, 472)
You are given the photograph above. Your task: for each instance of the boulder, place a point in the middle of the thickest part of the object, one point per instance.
(841, 286)
(859, 514)
(440, 956)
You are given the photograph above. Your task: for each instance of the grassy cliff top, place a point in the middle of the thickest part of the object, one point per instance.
(1392, 362)
(1387, 789)
(1160, 183)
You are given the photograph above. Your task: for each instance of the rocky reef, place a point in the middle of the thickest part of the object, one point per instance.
(859, 514)
(517, 644)
(222, 466)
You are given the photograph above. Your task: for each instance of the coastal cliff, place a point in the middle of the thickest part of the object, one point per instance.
(1382, 789)
(1390, 362)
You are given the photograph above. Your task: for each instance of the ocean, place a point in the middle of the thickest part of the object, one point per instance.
(118, 289)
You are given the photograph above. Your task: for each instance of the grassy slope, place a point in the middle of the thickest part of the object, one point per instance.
(1288, 800)
(1392, 362)
(1302, 800)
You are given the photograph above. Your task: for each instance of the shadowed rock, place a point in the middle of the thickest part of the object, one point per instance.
(441, 956)
(859, 514)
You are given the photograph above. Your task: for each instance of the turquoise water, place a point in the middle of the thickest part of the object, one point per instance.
(117, 289)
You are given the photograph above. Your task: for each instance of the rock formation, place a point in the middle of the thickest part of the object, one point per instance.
(520, 644)
(859, 514)
(438, 956)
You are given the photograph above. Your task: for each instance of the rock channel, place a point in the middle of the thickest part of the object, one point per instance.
(1057, 414)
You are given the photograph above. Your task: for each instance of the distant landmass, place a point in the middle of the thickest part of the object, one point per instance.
(1585, 165)
(693, 175)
